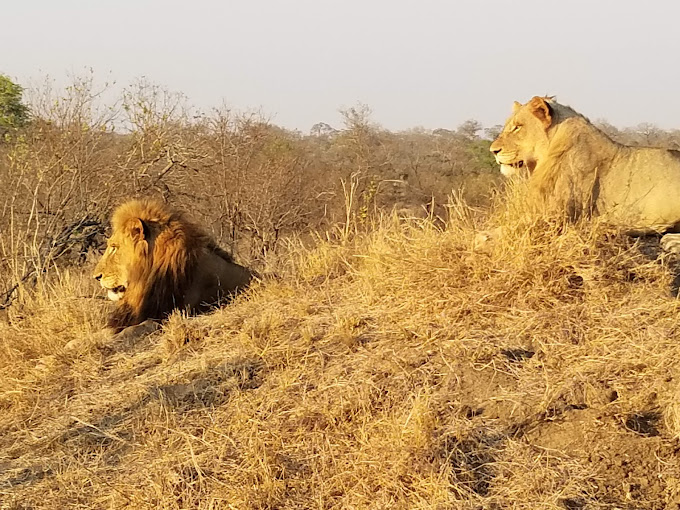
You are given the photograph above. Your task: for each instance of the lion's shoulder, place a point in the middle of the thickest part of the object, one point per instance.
(219, 251)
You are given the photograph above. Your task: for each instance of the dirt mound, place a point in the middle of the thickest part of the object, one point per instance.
(400, 369)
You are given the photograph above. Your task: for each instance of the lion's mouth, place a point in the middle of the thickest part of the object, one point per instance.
(510, 169)
(116, 293)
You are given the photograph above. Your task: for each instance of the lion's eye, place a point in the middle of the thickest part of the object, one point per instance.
(113, 249)
(516, 128)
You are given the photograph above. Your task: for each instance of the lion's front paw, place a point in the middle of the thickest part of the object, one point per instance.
(485, 239)
(132, 333)
(670, 243)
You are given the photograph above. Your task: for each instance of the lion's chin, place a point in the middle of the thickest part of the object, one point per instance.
(116, 294)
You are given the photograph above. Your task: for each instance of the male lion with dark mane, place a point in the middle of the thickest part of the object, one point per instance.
(157, 261)
(574, 167)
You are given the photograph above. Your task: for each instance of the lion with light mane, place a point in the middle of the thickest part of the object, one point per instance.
(576, 168)
(157, 261)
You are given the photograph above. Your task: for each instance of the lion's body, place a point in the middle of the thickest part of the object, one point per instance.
(157, 261)
(641, 190)
(578, 169)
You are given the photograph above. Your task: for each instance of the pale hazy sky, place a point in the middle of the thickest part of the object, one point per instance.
(430, 63)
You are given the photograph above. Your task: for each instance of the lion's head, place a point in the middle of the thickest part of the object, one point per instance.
(525, 136)
(149, 261)
(113, 269)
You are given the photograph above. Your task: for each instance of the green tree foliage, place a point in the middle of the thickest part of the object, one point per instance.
(13, 112)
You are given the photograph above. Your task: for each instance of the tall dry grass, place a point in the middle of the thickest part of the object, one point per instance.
(389, 367)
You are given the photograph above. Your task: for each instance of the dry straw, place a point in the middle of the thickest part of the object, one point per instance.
(396, 368)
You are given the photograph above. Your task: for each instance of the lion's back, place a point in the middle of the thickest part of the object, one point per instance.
(641, 188)
(216, 279)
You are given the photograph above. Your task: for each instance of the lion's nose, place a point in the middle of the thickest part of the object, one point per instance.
(494, 150)
(97, 276)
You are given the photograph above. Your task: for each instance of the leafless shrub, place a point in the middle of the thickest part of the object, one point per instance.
(56, 182)
(252, 183)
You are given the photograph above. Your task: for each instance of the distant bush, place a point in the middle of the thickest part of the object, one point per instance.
(13, 112)
(252, 183)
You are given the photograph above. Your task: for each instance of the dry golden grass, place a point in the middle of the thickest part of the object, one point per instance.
(396, 369)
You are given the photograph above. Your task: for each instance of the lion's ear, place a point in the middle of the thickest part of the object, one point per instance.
(516, 106)
(541, 110)
(138, 230)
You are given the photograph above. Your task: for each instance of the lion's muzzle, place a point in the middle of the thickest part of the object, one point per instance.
(508, 162)
(114, 290)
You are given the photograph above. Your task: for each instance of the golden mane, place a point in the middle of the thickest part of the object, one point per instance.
(568, 180)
